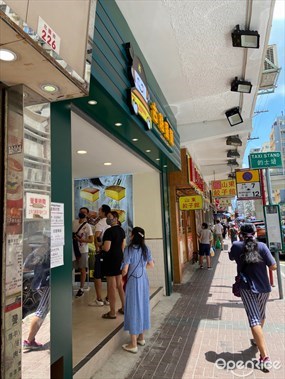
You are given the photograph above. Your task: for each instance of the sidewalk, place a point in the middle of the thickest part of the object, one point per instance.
(198, 324)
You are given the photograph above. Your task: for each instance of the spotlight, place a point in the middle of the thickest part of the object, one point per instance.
(241, 86)
(245, 38)
(234, 116)
(232, 162)
(234, 141)
(233, 154)
(232, 175)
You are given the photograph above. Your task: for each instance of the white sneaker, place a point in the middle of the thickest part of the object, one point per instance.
(96, 303)
(106, 301)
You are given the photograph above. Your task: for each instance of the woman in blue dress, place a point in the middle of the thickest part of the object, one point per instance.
(137, 257)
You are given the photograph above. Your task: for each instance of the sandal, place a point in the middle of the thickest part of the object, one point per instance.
(108, 316)
(121, 311)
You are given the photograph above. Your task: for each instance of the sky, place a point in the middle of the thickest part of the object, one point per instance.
(274, 103)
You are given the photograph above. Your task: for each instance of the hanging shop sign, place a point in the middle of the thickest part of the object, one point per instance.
(194, 177)
(224, 188)
(48, 35)
(141, 103)
(264, 160)
(248, 184)
(190, 203)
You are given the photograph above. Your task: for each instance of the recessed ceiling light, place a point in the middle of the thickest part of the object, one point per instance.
(165, 165)
(148, 151)
(118, 124)
(81, 152)
(7, 55)
(107, 164)
(92, 102)
(157, 159)
(135, 139)
(49, 88)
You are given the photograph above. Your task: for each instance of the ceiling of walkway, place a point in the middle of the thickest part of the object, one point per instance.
(189, 49)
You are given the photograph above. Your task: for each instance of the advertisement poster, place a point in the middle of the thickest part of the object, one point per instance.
(115, 191)
(37, 206)
(14, 264)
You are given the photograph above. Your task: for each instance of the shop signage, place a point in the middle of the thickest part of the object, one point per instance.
(194, 177)
(48, 35)
(187, 203)
(265, 160)
(224, 188)
(248, 184)
(141, 103)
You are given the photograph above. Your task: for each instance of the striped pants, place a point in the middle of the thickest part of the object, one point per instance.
(255, 306)
(43, 306)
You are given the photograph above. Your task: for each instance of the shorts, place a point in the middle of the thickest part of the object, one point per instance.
(82, 262)
(43, 306)
(254, 305)
(98, 267)
(204, 249)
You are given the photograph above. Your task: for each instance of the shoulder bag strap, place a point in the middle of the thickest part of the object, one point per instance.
(80, 227)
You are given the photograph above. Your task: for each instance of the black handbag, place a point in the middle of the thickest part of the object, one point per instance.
(238, 279)
(75, 242)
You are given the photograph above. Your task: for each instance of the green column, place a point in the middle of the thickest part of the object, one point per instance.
(61, 277)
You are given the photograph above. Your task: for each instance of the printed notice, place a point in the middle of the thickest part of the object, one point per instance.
(57, 234)
(56, 256)
(14, 264)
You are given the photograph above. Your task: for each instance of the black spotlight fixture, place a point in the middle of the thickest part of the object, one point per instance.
(242, 86)
(245, 38)
(234, 141)
(232, 162)
(233, 116)
(233, 154)
(232, 175)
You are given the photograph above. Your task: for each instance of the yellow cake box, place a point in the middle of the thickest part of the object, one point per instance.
(115, 192)
(90, 194)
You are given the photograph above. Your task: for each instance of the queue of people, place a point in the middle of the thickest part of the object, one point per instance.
(114, 261)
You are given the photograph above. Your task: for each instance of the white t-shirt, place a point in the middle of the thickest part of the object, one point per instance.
(101, 226)
(85, 232)
(218, 228)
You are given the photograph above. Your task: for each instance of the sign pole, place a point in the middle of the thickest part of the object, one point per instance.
(268, 185)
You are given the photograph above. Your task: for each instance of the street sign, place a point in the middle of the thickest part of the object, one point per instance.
(223, 188)
(273, 226)
(265, 160)
(248, 184)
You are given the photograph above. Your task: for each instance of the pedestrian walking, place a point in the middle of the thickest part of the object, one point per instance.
(137, 257)
(205, 239)
(252, 260)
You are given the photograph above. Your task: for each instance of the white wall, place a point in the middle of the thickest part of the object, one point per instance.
(148, 215)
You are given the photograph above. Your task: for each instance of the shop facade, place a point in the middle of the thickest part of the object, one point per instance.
(125, 92)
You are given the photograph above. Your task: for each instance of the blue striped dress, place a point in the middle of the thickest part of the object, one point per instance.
(137, 309)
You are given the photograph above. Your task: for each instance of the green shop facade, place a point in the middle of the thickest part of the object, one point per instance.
(125, 91)
(121, 82)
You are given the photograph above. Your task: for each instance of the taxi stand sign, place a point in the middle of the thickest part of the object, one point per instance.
(265, 160)
(189, 203)
(248, 184)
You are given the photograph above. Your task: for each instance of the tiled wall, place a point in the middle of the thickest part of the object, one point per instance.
(157, 274)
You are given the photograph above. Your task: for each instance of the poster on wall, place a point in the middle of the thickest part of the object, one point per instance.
(14, 243)
(37, 206)
(115, 191)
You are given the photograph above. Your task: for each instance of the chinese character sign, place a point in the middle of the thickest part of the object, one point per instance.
(187, 203)
(265, 160)
(37, 206)
(224, 188)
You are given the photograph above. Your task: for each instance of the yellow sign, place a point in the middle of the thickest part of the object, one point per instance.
(247, 176)
(162, 124)
(224, 188)
(187, 203)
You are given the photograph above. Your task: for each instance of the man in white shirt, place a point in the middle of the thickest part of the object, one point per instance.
(83, 234)
(218, 232)
(100, 228)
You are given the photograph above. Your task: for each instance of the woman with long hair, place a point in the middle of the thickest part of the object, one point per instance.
(252, 260)
(137, 257)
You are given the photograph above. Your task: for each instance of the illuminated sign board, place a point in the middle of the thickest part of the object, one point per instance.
(141, 103)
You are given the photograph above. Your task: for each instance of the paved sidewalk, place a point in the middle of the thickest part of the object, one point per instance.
(200, 323)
